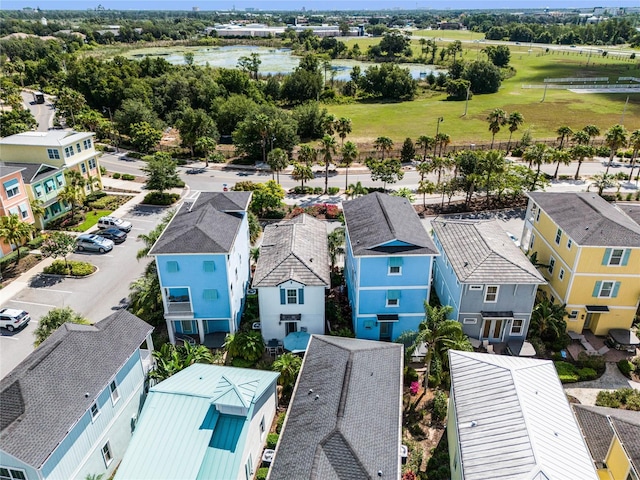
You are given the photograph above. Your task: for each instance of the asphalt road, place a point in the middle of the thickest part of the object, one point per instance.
(94, 297)
(43, 112)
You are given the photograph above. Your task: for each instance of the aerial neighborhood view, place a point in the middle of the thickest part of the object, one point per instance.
(319, 240)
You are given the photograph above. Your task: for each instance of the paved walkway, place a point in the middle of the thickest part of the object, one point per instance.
(612, 379)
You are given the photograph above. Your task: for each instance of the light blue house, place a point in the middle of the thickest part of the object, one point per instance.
(205, 422)
(387, 265)
(202, 259)
(484, 276)
(69, 409)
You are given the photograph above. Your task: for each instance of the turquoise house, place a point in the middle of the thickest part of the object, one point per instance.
(388, 261)
(202, 259)
(69, 409)
(205, 422)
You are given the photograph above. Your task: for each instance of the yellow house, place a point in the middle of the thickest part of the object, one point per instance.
(613, 438)
(590, 250)
(63, 149)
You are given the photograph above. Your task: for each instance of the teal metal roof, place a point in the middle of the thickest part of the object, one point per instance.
(181, 435)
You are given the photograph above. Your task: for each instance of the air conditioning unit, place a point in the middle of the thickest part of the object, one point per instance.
(303, 329)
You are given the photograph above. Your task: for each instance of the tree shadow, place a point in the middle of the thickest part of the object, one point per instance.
(43, 281)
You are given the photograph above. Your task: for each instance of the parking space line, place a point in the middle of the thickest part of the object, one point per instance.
(141, 229)
(9, 337)
(105, 255)
(33, 303)
(50, 290)
(139, 220)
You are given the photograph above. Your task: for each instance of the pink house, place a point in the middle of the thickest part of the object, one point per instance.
(13, 199)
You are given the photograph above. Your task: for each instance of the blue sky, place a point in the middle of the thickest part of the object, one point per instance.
(298, 4)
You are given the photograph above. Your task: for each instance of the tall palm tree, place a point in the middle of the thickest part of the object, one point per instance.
(424, 187)
(356, 189)
(37, 208)
(615, 138)
(349, 154)
(93, 182)
(288, 365)
(262, 125)
(563, 132)
(592, 131)
(578, 154)
(442, 140)
(308, 155)
(491, 163)
(329, 124)
(327, 149)
(581, 138)
(426, 143)
(149, 239)
(514, 121)
(383, 145)
(537, 155)
(205, 145)
(302, 172)
(335, 241)
(343, 128)
(14, 231)
(497, 118)
(559, 156)
(70, 194)
(278, 160)
(634, 142)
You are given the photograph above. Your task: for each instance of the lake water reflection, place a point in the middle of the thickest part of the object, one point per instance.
(274, 60)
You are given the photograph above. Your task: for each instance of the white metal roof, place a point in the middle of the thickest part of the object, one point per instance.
(513, 420)
(51, 138)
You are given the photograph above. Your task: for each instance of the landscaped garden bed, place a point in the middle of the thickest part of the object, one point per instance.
(71, 268)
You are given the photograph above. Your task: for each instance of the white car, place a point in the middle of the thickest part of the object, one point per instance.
(12, 319)
(113, 222)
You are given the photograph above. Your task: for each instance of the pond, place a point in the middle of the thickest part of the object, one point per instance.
(274, 60)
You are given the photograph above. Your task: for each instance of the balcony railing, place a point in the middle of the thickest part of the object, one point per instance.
(179, 306)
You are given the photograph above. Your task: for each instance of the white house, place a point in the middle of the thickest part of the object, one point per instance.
(291, 277)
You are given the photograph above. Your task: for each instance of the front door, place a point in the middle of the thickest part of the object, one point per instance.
(290, 327)
(385, 331)
(492, 329)
(587, 320)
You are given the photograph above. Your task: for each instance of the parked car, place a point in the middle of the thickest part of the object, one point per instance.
(94, 243)
(12, 319)
(112, 233)
(113, 222)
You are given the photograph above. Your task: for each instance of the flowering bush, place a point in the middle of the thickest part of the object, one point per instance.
(332, 211)
(414, 388)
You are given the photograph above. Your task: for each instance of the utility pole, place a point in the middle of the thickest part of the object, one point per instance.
(466, 103)
(440, 119)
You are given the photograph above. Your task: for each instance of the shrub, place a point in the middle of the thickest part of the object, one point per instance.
(93, 196)
(416, 431)
(116, 175)
(242, 363)
(628, 398)
(567, 372)
(78, 269)
(333, 190)
(595, 362)
(157, 198)
(300, 190)
(272, 440)
(626, 367)
(439, 406)
(36, 242)
(332, 212)
(280, 421)
(11, 257)
(274, 214)
(410, 375)
(587, 374)
(262, 473)
(317, 190)
(538, 346)
(128, 176)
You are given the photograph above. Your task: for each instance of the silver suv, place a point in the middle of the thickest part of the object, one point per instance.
(113, 222)
(94, 243)
(12, 319)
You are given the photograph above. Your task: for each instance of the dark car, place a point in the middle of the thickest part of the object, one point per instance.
(115, 234)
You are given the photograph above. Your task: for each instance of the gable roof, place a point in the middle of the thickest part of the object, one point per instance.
(600, 424)
(295, 249)
(378, 219)
(181, 433)
(34, 171)
(481, 252)
(6, 170)
(209, 224)
(513, 420)
(344, 420)
(589, 219)
(51, 138)
(49, 391)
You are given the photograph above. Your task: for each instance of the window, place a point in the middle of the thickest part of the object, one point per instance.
(12, 187)
(209, 266)
(60, 180)
(395, 266)
(292, 296)
(517, 327)
(115, 395)
(12, 474)
(262, 428)
(54, 153)
(538, 215)
(210, 294)
(569, 243)
(83, 167)
(172, 266)
(106, 454)
(475, 287)
(561, 274)
(491, 294)
(49, 185)
(24, 211)
(248, 468)
(469, 321)
(68, 151)
(552, 299)
(616, 256)
(573, 314)
(92, 163)
(95, 411)
(78, 147)
(87, 144)
(552, 264)
(606, 289)
(39, 191)
(186, 326)
(393, 298)
(558, 236)
(533, 239)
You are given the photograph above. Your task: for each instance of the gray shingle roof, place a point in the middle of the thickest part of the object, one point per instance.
(296, 250)
(631, 209)
(481, 252)
(34, 171)
(48, 392)
(6, 169)
(589, 219)
(598, 425)
(513, 420)
(345, 415)
(208, 225)
(377, 219)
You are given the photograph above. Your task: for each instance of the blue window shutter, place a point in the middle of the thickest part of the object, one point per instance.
(616, 287)
(395, 261)
(596, 289)
(625, 257)
(283, 296)
(301, 296)
(607, 256)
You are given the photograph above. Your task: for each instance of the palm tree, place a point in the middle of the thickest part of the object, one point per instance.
(336, 244)
(262, 125)
(151, 238)
(277, 160)
(537, 155)
(514, 121)
(247, 345)
(254, 253)
(288, 365)
(491, 163)
(423, 43)
(592, 131)
(603, 181)
(563, 132)
(356, 189)
(171, 359)
(581, 138)
(37, 208)
(578, 153)
(343, 128)
(329, 124)
(442, 140)
(559, 156)
(426, 186)
(14, 231)
(327, 149)
(301, 172)
(497, 118)
(426, 143)
(54, 319)
(308, 155)
(634, 142)
(383, 145)
(349, 154)
(615, 138)
(93, 182)
(205, 145)
(547, 320)
(440, 164)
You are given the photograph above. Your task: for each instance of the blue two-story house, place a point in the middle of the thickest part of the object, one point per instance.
(388, 263)
(68, 410)
(484, 276)
(202, 259)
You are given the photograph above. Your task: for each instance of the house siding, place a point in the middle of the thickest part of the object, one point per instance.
(265, 407)
(9, 461)
(79, 454)
(16, 204)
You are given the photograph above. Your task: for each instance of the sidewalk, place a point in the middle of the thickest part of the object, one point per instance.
(611, 379)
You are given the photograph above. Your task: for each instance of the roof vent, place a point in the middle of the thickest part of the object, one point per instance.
(466, 264)
(317, 397)
(379, 473)
(473, 424)
(86, 395)
(310, 391)
(557, 434)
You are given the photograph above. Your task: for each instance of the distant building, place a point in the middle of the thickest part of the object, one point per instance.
(445, 25)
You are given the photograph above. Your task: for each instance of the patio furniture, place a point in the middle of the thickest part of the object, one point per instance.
(490, 349)
(475, 343)
(272, 347)
(603, 350)
(623, 339)
(296, 342)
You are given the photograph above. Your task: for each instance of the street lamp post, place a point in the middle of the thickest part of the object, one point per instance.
(440, 119)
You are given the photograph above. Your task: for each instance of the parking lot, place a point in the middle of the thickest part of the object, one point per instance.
(94, 297)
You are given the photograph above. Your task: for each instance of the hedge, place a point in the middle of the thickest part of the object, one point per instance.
(272, 440)
(157, 198)
(262, 473)
(75, 268)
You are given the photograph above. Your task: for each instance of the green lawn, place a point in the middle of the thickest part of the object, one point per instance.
(91, 218)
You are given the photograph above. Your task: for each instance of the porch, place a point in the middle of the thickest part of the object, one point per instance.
(592, 344)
